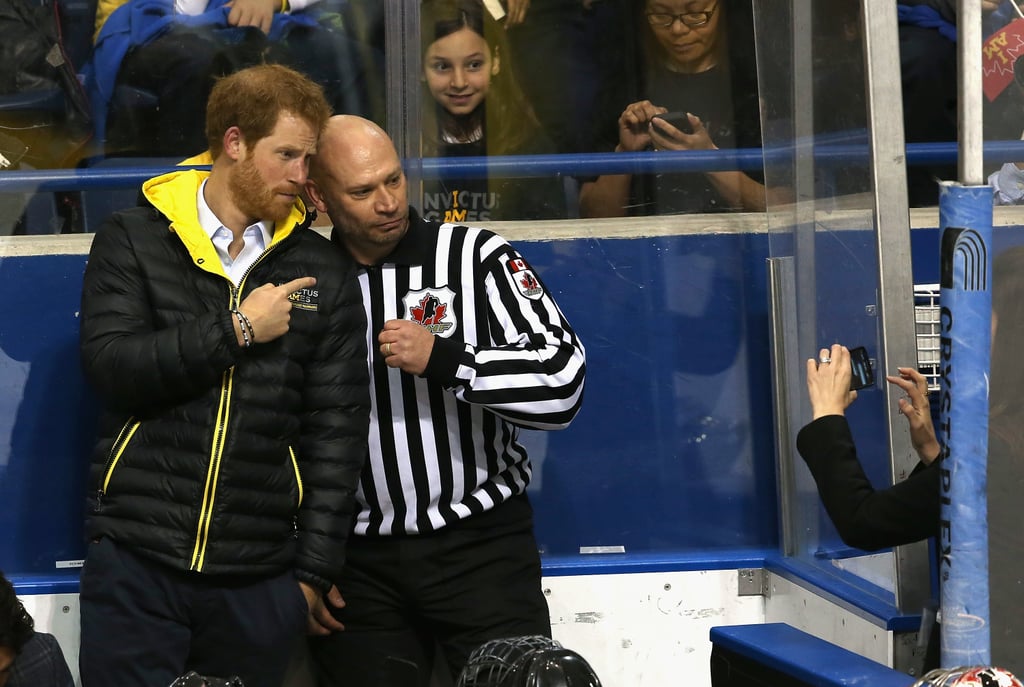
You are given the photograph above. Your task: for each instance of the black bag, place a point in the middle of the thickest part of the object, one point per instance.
(42, 103)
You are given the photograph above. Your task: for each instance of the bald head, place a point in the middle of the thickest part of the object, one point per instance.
(355, 125)
(349, 139)
(356, 178)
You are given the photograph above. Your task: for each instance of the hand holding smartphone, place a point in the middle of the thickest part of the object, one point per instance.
(863, 374)
(679, 120)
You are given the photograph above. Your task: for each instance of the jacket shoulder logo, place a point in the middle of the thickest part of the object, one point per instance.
(524, 278)
(305, 299)
(432, 309)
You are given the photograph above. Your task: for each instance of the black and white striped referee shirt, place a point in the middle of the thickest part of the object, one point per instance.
(444, 445)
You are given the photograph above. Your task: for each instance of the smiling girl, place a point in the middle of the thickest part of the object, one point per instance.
(473, 107)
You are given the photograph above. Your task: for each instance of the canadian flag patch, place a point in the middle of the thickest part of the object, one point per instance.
(524, 278)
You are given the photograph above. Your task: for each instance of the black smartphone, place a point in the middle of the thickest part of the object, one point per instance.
(863, 373)
(679, 120)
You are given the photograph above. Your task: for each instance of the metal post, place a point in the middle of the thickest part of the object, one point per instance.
(969, 114)
(896, 289)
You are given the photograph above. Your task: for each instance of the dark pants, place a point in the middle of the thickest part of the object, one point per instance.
(453, 589)
(145, 624)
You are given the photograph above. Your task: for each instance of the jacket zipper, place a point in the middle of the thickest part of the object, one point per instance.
(213, 472)
(298, 475)
(298, 481)
(116, 450)
(219, 438)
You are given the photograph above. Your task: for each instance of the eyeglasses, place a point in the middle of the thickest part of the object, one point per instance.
(664, 20)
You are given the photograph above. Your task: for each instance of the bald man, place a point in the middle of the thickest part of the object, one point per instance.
(466, 346)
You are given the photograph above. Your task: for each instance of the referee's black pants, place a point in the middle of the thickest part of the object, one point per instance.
(453, 589)
(145, 624)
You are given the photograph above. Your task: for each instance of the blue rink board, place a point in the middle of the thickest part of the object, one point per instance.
(672, 451)
(671, 455)
(807, 659)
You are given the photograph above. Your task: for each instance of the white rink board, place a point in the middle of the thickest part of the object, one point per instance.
(635, 629)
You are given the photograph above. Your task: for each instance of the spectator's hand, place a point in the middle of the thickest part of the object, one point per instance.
(634, 126)
(990, 5)
(321, 621)
(515, 12)
(269, 310)
(828, 383)
(916, 409)
(258, 13)
(667, 137)
(405, 345)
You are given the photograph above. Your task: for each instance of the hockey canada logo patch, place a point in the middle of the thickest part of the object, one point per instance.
(432, 309)
(524, 278)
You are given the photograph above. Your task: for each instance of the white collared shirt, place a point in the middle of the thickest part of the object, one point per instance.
(256, 237)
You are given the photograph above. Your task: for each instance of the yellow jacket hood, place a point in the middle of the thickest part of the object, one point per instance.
(174, 195)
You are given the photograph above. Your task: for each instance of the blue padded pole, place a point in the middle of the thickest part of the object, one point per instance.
(965, 221)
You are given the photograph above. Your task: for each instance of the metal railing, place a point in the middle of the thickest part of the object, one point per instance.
(113, 176)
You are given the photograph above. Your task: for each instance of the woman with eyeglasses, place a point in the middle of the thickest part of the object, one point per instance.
(697, 61)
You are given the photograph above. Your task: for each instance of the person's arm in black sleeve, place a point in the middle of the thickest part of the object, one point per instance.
(335, 425)
(131, 363)
(867, 518)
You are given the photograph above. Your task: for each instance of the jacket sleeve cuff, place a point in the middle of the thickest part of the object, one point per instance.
(817, 439)
(227, 322)
(313, 580)
(444, 361)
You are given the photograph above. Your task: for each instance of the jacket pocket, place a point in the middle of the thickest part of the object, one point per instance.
(298, 476)
(117, 450)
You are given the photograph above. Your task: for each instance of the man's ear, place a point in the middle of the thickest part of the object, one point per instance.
(496, 62)
(315, 197)
(234, 143)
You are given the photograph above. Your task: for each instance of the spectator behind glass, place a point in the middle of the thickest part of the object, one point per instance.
(27, 658)
(171, 51)
(698, 58)
(474, 107)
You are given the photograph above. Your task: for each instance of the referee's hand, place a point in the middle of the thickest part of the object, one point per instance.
(405, 345)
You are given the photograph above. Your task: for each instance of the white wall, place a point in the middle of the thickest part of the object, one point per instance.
(636, 630)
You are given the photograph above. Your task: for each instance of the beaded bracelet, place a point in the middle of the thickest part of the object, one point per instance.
(248, 325)
(241, 325)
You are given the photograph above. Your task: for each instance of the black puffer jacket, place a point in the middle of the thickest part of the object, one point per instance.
(214, 457)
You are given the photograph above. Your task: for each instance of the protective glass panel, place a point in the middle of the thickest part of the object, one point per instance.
(672, 452)
(825, 246)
